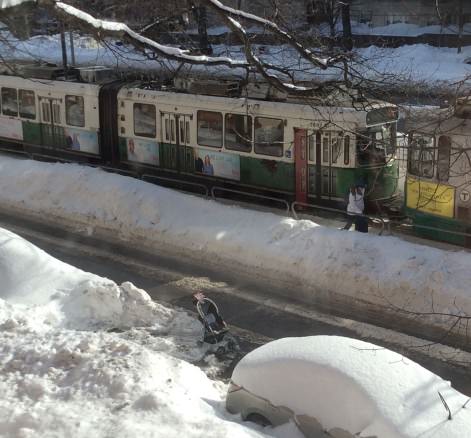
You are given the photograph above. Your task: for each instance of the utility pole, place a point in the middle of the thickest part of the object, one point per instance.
(460, 25)
(205, 47)
(346, 25)
(64, 49)
(72, 49)
(199, 15)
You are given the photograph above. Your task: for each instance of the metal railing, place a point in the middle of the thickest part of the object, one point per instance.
(384, 222)
(441, 230)
(177, 182)
(16, 152)
(50, 158)
(123, 172)
(214, 189)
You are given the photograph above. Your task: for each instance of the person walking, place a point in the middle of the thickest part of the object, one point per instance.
(361, 222)
(355, 207)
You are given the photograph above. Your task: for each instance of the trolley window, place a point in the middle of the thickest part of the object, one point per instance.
(210, 129)
(346, 150)
(443, 161)
(46, 111)
(10, 102)
(74, 111)
(173, 135)
(312, 146)
(325, 149)
(381, 116)
(56, 112)
(238, 132)
(187, 131)
(336, 149)
(145, 121)
(27, 104)
(376, 145)
(169, 129)
(421, 156)
(269, 136)
(183, 138)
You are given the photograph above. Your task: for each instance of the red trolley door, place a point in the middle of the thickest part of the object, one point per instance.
(301, 164)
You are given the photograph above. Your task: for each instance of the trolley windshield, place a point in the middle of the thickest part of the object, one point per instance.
(377, 143)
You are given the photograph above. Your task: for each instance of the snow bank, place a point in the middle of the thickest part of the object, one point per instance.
(63, 374)
(75, 298)
(344, 268)
(354, 385)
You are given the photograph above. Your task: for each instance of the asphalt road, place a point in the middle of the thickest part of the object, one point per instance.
(247, 305)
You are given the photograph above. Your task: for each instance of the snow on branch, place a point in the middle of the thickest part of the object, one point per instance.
(167, 51)
(262, 67)
(111, 28)
(273, 27)
(232, 17)
(5, 4)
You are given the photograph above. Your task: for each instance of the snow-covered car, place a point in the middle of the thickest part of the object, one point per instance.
(333, 386)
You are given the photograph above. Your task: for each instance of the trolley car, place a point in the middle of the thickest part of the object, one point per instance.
(438, 182)
(288, 148)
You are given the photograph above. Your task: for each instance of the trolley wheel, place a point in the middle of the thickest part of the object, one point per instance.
(259, 419)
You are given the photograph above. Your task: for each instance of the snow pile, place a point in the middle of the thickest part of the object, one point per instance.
(365, 389)
(64, 375)
(74, 298)
(322, 262)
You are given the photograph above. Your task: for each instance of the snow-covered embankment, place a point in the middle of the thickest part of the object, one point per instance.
(348, 271)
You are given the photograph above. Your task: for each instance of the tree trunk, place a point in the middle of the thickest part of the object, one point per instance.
(460, 25)
(201, 19)
(309, 11)
(64, 49)
(347, 25)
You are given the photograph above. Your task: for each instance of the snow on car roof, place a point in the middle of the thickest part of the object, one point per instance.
(354, 385)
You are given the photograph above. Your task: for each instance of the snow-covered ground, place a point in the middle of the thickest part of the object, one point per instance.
(393, 29)
(406, 29)
(348, 269)
(82, 356)
(413, 63)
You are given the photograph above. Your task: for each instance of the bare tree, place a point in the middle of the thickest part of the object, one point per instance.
(200, 15)
(280, 74)
(276, 74)
(346, 24)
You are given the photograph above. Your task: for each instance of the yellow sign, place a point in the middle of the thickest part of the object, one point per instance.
(431, 197)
